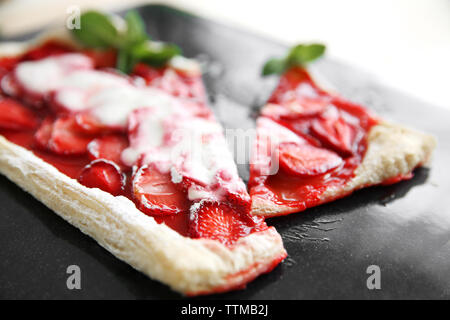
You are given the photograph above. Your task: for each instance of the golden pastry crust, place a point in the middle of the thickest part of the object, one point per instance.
(189, 266)
(267, 208)
(393, 150)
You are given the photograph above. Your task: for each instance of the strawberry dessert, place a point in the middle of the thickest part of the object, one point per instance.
(308, 140)
(148, 136)
(314, 146)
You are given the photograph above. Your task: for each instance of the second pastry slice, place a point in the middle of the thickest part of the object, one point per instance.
(314, 146)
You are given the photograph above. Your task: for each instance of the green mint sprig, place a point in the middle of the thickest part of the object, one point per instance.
(133, 44)
(299, 55)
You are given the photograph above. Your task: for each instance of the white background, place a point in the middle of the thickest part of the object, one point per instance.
(404, 43)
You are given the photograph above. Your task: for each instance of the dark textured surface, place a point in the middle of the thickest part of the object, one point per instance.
(404, 228)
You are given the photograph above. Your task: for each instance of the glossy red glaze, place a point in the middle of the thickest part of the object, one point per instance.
(325, 121)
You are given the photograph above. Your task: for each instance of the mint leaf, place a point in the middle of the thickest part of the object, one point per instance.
(302, 54)
(133, 44)
(135, 28)
(274, 66)
(96, 31)
(299, 55)
(155, 53)
(123, 61)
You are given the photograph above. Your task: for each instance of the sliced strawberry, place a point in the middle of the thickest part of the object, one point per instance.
(187, 182)
(12, 87)
(3, 73)
(62, 136)
(9, 85)
(66, 101)
(16, 116)
(66, 138)
(108, 147)
(172, 81)
(156, 194)
(102, 58)
(335, 133)
(88, 123)
(49, 48)
(180, 85)
(221, 222)
(44, 133)
(6, 65)
(104, 175)
(147, 72)
(306, 160)
(239, 200)
(295, 83)
(134, 119)
(236, 192)
(298, 108)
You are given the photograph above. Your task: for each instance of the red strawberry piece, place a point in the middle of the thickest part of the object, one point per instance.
(239, 200)
(16, 116)
(9, 85)
(156, 194)
(49, 48)
(306, 160)
(12, 87)
(44, 133)
(3, 73)
(335, 133)
(310, 106)
(134, 120)
(179, 86)
(6, 65)
(289, 86)
(188, 181)
(89, 124)
(147, 72)
(55, 100)
(219, 221)
(102, 58)
(174, 82)
(300, 108)
(103, 174)
(108, 147)
(66, 137)
(236, 193)
(61, 136)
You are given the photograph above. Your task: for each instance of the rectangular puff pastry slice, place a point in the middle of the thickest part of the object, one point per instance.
(313, 147)
(189, 265)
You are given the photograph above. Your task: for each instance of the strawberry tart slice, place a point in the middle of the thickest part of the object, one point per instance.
(314, 146)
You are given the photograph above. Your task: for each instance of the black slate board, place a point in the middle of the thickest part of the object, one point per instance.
(404, 228)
